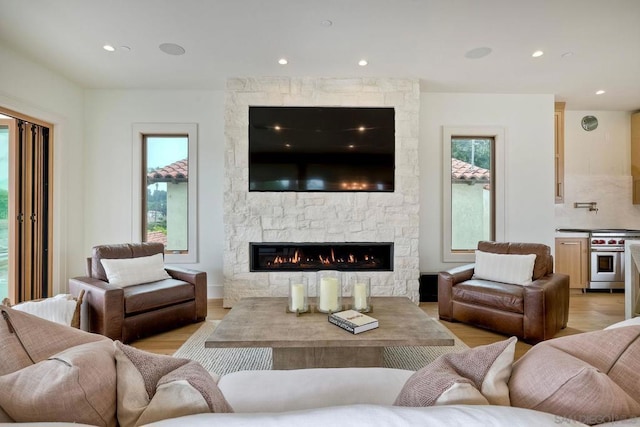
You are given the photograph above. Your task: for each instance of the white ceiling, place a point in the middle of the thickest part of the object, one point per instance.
(424, 39)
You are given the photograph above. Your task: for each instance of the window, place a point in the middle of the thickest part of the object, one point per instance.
(167, 199)
(473, 196)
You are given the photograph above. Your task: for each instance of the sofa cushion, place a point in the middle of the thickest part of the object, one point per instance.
(26, 339)
(151, 296)
(153, 387)
(77, 385)
(591, 377)
(476, 376)
(381, 416)
(134, 271)
(505, 268)
(270, 391)
(501, 296)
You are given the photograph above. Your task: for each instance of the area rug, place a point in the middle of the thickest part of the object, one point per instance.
(222, 361)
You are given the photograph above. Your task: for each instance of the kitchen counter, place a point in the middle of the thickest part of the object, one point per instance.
(572, 232)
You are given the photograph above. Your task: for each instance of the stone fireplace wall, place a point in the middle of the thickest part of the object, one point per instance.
(320, 217)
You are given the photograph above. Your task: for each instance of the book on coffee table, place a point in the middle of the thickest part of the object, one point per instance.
(353, 321)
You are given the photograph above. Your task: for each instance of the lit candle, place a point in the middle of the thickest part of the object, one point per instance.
(329, 294)
(297, 297)
(360, 296)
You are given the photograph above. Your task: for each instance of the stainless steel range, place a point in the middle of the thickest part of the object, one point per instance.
(607, 257)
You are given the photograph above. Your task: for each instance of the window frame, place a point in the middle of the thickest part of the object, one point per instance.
(499, 185)
(140, 131)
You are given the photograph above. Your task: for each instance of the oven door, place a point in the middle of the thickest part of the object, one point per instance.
(607, 266)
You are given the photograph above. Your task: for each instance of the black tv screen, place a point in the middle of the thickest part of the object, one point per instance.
(321, 149)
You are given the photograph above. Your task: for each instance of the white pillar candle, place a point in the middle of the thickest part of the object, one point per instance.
(360, 296)
(297, 297)
(329, 294)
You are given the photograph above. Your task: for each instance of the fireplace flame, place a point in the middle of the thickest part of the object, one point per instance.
(312, 257)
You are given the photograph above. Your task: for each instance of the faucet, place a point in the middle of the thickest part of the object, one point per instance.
(592, 206)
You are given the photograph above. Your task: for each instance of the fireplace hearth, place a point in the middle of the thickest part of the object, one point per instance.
(367, 256)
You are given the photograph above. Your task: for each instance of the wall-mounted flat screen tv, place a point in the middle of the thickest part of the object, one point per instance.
(321, 149)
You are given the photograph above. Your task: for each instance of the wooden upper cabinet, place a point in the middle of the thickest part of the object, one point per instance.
(635, 156)
(559, 151)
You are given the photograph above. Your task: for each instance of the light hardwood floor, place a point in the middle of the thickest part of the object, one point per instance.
(587, 312)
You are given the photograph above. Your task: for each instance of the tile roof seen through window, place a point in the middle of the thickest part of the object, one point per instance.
(175, 172)
(466, 172)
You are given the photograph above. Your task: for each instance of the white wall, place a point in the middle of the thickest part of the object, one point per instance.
(109, 116)
(598, 169)
(529, 153)
(30, 89)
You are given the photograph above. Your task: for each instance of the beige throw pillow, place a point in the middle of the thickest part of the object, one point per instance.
(477, 376)
(124, 272)
(77, 385)
(154, 387)
(26, 339)
(593, 377)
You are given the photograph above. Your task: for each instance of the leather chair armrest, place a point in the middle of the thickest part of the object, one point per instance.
(105, 305)
(199, 281)
(446, 281)
(546, 307)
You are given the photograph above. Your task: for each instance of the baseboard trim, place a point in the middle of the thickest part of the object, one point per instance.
(215, 291)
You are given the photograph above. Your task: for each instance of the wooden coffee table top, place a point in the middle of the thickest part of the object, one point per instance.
(264, 322)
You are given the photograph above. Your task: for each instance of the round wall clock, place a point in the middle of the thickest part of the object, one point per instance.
(589, 123)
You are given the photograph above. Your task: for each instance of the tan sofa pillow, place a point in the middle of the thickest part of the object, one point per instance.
(592, 377)
(477, 376)
(26, 339)
(154, 387)
(77, 385)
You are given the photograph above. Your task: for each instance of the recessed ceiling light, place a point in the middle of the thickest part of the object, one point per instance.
(109, 48)
(537, 54)
(125, 48)
(362, 62)
(477, 53)
(172, 49)
(326, 23)
(276, 127)
(600, 92)
(283, 61)
(566, 55)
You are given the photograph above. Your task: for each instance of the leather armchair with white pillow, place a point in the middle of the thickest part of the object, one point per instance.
(533, 311)
(127, 311)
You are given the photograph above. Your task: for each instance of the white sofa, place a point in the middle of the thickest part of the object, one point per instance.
(354, 396)
(344, 397)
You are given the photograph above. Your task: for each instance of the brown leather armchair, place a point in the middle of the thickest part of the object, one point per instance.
(133, 312)
(533, 313)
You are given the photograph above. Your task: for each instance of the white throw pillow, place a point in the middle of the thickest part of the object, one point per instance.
(506, 268)
(59, 309)
(628, 322)
(134, 271)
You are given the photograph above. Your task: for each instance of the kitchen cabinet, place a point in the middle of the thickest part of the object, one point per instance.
(635, 156)
(559, 151)
(572, 258)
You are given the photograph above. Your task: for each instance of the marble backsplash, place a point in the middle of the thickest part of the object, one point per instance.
(612, 195)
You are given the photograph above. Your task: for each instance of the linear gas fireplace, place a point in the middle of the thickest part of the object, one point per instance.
(321, 256)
